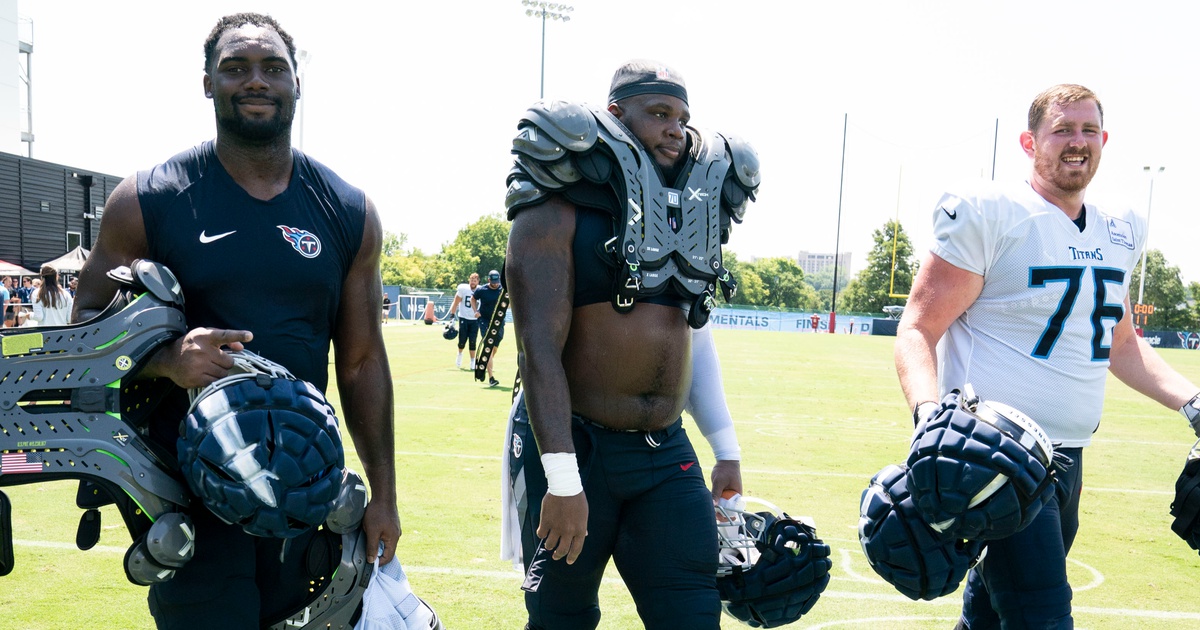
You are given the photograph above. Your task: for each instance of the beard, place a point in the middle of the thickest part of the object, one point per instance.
(256, 130)
(1052, 169)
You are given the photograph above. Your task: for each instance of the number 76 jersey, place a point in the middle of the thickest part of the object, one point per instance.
(1039, 335)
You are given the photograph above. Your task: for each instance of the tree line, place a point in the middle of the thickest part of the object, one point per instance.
(774, 282)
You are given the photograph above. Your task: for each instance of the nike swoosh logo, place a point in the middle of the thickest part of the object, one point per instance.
(952, 215)
(215, 237)
(686, 466)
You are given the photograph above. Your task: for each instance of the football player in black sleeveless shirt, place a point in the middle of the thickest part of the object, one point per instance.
(275, 254)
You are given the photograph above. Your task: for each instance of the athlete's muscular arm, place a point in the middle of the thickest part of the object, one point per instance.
(194, 360)
(940, 293)
(541, 280)
(365, 388)
(1139, 366)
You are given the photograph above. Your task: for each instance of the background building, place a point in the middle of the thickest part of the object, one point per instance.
(46, 209)
(813, 263)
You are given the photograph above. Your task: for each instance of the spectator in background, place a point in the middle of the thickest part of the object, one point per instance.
(387, 306)
(71, 286)
(6, 298)
(51, 303)
(25, 293)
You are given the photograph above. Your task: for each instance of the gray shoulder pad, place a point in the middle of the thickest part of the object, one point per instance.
(569, 124)
(745, 162)
(522, 192)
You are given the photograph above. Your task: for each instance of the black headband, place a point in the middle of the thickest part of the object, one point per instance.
(646, 77)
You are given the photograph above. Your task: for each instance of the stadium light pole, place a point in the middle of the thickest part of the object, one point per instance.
(546, 10)
(837, 240)
(1142, 283)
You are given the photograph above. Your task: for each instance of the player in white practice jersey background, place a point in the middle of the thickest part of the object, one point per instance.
(1025, 296)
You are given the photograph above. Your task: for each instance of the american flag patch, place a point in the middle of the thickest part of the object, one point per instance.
(14, 463)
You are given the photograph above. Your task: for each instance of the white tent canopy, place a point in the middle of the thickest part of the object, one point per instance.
(70, 262)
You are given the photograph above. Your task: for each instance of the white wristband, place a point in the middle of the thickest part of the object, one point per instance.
(562, 474)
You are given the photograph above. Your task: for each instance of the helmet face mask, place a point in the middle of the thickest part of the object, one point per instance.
(738, 536)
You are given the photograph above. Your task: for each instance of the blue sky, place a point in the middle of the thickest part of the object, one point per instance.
(417, 102)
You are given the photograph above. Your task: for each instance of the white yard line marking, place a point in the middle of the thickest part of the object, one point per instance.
(873, 621)
(783, 473)
(945, 601)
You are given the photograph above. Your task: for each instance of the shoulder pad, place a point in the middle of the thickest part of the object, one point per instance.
(522, 192)
(745, 162)
(741, 182)
(548, 135)
(569, 124)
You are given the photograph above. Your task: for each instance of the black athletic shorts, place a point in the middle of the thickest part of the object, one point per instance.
(468, 330)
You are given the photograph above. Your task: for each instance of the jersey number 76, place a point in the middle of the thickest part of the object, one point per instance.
(1101, 310)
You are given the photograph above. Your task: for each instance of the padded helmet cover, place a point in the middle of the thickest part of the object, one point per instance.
(1186, 506)
(262, 449)
(901, 547)
(772, 568)
(980, 469)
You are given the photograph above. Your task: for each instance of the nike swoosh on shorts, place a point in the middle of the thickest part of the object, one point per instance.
(215, 237)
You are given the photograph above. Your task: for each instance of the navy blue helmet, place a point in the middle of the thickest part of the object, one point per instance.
(901, 547)
(981, 469)
(772, 567)
(1186, 506)
(262, 449)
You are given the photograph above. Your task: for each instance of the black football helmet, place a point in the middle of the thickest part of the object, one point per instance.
(902, 548)
(1186, 506)
(981, 470)
(772, 568)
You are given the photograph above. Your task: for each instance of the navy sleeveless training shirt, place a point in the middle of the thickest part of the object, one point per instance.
(275, 268)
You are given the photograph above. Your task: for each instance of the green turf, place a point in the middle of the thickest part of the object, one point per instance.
(817, 416)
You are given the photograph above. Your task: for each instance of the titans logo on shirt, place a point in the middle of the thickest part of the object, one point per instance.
(302, 241)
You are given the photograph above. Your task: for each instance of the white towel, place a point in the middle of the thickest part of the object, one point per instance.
(510, 524)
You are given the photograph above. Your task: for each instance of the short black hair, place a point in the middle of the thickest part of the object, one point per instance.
(237, 20)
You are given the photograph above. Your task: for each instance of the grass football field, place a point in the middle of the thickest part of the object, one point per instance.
(817, 416)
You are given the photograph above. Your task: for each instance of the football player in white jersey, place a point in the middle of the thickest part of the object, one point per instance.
(1026, 289)
(468, 324)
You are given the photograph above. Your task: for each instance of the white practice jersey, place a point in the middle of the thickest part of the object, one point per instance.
(1039, 335)
(466, 303)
